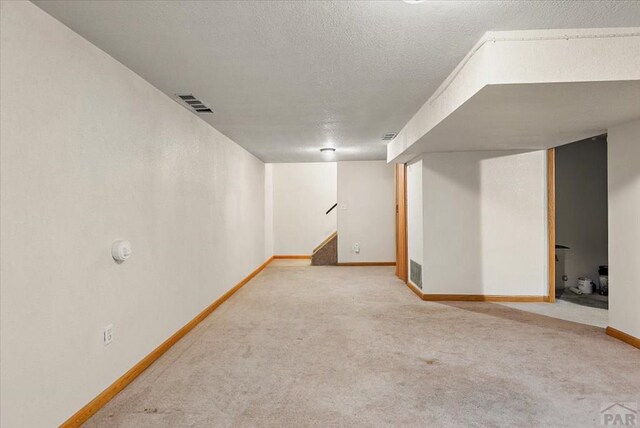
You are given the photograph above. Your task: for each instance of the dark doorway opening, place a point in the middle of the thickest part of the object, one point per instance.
(581, 222)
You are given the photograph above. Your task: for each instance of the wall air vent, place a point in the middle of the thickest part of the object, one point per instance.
(388, 137)
(415, 273)
(194, 104)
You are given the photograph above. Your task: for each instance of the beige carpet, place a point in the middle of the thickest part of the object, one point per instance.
(352, 346)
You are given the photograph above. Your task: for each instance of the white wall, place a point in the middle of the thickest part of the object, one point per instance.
(526, 57)
(92, 153)
(302, 193)
(366, 211)
(581, 210)
(485, 223)
(268, 210)
(415, 217)
(624, 227)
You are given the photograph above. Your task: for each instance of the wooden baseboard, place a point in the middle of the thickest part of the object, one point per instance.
(621, 335)
(415, 289)
(367, 264)
(473, 297)
(105, 396)
(481, 298)
(292, 256)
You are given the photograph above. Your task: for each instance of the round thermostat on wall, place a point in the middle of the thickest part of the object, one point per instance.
(121, 250)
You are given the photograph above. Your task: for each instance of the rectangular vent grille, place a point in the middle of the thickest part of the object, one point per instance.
(415, 274)
(389, 137)
(194, 104)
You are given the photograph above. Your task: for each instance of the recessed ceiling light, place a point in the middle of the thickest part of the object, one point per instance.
(327, 149)
(413, 1)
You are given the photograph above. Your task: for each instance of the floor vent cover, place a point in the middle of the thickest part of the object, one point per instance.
(415, 274)
(194, 104)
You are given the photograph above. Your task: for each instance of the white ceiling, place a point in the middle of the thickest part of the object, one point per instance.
(287, 78)
(532, 116)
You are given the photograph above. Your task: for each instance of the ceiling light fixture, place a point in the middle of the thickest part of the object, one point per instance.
(327, 149)
(413, 1)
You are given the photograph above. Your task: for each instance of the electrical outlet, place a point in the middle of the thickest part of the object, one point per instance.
(356, 248)
(108, 334)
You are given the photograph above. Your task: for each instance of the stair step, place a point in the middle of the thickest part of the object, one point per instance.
(333, 235)
(327, 252)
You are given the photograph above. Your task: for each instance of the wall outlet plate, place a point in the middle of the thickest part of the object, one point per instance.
(108, 334)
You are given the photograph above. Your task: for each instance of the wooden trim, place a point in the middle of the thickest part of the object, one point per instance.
(551, 221)
(105, 396)
(481, 298)
(472, 297)
(292, 256)
(415, 289)
(367, 264)
(401, 222)
(621, 335)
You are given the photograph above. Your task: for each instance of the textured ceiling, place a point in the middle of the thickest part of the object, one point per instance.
(287, 78)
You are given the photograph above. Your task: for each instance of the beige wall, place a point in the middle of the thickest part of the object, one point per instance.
(302, 193)
(415, 219)
(92, 153)
(268, 209)
(484, 223)
(366, 211)
(623, 145)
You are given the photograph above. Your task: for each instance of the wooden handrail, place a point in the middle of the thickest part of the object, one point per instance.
(331, 209)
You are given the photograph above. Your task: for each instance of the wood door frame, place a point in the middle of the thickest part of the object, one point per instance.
(402, 270)
(551, 221)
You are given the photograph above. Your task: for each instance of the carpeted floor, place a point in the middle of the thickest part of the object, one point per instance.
(352, 346)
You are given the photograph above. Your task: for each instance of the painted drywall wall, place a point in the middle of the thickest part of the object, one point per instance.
(624, 227)
(581, 210)
(415, 219)
(485, 223)
(366, 211)
(526, 57)
(92, 153)
(268, 210)
(302, 193)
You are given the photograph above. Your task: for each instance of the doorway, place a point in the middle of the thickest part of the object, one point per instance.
(580, 223)
(401, 221)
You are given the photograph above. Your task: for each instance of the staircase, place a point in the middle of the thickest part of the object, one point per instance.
(327, 252)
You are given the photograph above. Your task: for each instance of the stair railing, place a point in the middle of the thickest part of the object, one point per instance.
(331, 209)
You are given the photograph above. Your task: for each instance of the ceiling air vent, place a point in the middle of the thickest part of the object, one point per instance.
(194, 104)
(389, 137)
